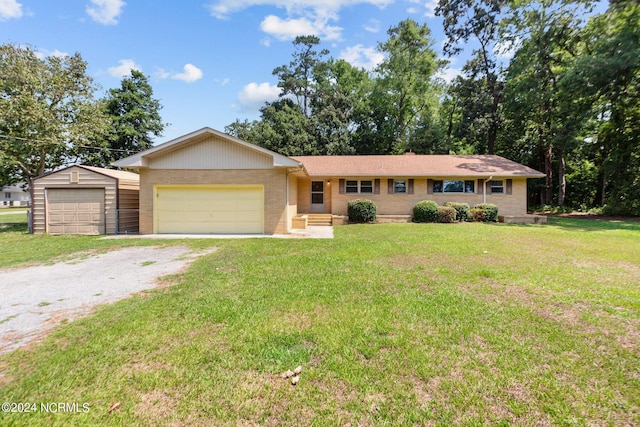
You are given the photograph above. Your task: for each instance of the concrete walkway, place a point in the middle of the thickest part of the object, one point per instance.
(312, 232)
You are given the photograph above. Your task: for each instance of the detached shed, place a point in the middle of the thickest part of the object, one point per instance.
(85, 200)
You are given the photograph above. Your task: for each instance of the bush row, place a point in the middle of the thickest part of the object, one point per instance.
(363, 210)
(429, 211)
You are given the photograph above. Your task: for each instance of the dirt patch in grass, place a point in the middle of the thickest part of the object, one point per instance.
(625, 331)
(156, 405)
(5, 379)
(297, 320)
(268, 397)
(426, 391)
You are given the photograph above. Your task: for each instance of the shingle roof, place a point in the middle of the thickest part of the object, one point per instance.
(114, 173)
(416, 165)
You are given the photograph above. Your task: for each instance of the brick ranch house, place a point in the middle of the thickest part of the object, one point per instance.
(210, 182)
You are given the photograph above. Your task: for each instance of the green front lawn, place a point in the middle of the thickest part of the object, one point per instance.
(398, 324)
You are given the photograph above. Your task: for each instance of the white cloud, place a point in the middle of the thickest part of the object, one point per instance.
(161, 74)
(448, 74)
(507, 49)
(373, 26)
(10, 9)
(191, 74)
(303, 17)
(362, 57)
(253, 96)
(222, 9)
(287, 29)
(124, 69)
(431, 6)
(43, 53)
(105, 11)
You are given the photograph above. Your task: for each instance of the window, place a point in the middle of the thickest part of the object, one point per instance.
(7, 195)
(469, 186)
(399, 186)
(453, 186)
(497, 187)
(366, 187)
(362, 187)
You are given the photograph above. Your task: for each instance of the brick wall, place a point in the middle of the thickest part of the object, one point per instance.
(273, 180)
(402, 204)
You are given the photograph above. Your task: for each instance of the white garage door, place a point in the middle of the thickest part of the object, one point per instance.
(75, 211)
(209, 209)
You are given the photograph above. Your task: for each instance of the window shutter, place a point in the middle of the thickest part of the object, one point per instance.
(390, 186)
(509, 186)
(410, 189)
(376, 186)
(429, 186)
(341, 186)
(488, 185)
(479, 186)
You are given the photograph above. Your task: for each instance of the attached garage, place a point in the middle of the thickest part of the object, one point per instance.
(209, 209)
(208, 182)
(85, 200)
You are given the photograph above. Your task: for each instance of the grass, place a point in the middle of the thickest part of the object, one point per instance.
(398, 324)
(18, 248)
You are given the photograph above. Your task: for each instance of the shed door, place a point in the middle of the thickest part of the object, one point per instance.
(209, 209)
(75, 211)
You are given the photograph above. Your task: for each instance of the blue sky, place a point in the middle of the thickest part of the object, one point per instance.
(209, 61)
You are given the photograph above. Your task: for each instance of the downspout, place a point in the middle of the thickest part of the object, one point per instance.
(286, 201)
(484, 189)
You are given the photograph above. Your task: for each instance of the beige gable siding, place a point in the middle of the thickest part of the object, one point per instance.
(211, 153)
(66, 179)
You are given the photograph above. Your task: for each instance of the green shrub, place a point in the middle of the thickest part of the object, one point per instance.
(361, 210)
(478, 215)
(425, 211)
(446, 214)
(462, 210)
(490, 212)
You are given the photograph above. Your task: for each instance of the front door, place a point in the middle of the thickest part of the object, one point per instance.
(317, 196)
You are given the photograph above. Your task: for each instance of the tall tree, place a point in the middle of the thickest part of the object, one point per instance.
(282, 128)
(296, 78)
(534, 94)
(135, 115)
(477, 21)
(333, 106)
(48, 116)
(535, 100)
(404, 91)
(607, 74)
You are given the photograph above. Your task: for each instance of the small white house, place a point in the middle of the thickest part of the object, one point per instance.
(14, 195)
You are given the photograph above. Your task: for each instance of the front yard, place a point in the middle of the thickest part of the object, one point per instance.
(398, 324)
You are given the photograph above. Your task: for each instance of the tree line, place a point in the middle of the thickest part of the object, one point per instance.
(566, 102)
(49, 116)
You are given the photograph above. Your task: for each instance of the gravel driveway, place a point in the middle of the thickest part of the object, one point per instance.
(33, 300)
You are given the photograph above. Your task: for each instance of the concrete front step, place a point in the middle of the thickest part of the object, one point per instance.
(319, 219)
